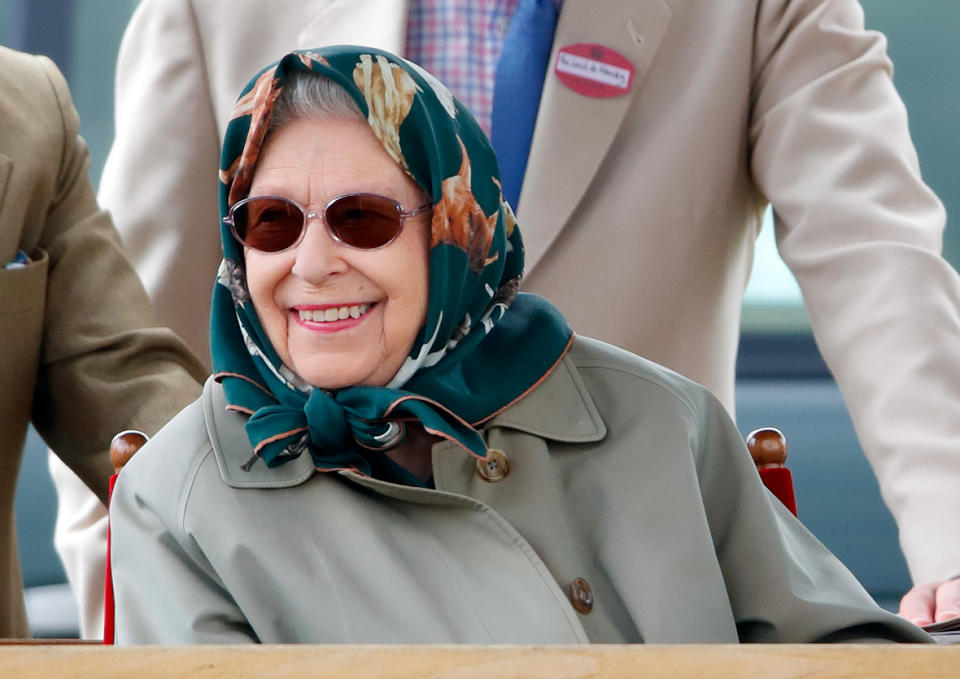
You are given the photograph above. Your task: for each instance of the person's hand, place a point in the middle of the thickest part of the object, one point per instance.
(931, 602)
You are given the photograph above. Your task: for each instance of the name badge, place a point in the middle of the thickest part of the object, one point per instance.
(594, 70)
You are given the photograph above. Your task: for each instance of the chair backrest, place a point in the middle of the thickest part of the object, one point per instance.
(768, 447)
(122, 448)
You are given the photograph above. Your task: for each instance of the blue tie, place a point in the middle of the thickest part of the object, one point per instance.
(517, 88)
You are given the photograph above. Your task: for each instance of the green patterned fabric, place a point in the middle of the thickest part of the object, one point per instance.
(482, 346)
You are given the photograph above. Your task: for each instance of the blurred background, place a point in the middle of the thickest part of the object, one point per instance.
(781, 379)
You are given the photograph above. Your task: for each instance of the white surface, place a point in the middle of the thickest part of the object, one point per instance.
(52, 611)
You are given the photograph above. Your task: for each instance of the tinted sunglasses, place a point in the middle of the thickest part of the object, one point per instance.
(360, 220)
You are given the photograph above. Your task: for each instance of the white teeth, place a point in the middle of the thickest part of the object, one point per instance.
(333, 313)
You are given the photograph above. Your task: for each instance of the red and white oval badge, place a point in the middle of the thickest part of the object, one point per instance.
(594, 70)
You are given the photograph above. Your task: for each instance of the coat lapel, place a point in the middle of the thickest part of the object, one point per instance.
(10, 230)
(377, 23)
(574, 132)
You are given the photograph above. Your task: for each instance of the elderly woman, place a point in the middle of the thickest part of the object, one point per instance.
(396, 446)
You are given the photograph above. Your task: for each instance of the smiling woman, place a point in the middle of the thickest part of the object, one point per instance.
(397, 446)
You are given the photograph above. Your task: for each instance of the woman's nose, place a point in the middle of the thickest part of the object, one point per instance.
(318, 255)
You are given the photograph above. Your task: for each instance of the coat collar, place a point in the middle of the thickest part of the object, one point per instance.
(232, 448)
(558, 408)
(574, 133)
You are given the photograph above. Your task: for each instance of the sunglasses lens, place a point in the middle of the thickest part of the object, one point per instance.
(364, 220)
(268, 224)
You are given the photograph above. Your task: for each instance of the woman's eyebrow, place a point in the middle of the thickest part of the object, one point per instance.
(419, 196)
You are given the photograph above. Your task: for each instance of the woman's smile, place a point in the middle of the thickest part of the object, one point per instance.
(331, 317)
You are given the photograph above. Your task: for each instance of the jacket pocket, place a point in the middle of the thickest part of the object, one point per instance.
(22, 305)
(23, 290)
(23, 295)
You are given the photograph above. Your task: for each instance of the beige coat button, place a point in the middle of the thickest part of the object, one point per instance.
(495, 467)
(581, 596)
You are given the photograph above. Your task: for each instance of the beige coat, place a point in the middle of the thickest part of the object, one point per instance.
(621, 474)
(639, 212)
(79, 357)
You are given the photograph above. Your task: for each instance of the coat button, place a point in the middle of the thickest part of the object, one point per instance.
(581, 596)
(495, 467)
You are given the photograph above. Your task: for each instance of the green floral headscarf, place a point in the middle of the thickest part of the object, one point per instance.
(483, 345)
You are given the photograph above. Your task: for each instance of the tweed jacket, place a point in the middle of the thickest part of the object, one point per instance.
(639, 212)
(630, 511)
(81, 358)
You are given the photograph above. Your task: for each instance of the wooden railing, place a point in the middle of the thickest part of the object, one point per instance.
(479, 662)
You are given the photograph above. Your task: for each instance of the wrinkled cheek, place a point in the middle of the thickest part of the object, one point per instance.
(276, 325)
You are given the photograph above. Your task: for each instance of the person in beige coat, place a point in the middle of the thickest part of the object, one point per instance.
(82, 357)
(398, 447)
(640, 211)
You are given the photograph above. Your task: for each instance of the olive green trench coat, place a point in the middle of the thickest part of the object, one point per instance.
(631, 512)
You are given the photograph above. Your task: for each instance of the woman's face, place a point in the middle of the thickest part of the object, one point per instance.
(312, 161)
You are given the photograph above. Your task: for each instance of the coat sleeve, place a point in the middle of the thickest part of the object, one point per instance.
(165, 589)
(160, 178)
(783, 585)
(104, 365)
(80, 538)
(862, 233)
